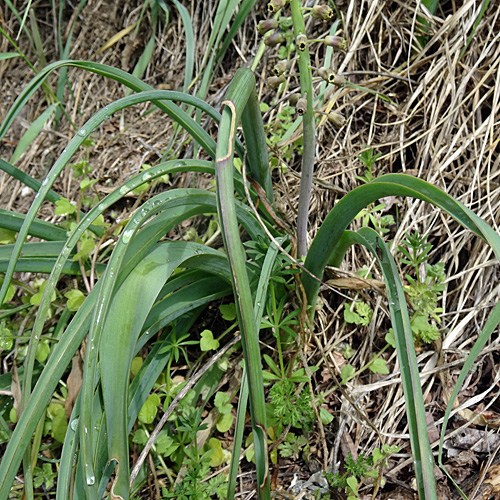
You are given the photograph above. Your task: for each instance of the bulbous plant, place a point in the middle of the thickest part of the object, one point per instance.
(149, 285)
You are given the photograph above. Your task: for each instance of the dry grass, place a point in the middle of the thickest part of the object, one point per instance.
(441, 125)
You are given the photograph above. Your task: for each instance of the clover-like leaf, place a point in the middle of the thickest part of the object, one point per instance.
(207, 342)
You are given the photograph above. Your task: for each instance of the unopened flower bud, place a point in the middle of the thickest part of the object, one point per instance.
(293, 99)
(301, 106)
(337, 42)
(274, 39)
(301, 42)
(267, 25)
(275, 81)
(340, 81)
(337, 119)
(327, 74)
(274, 5)
(324, 12)
(281, 67)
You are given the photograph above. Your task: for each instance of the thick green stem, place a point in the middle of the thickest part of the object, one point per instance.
(308, 130)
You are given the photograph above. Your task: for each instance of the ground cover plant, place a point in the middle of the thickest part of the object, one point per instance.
(125, 308)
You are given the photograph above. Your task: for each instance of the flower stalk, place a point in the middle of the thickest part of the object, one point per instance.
(308, 127)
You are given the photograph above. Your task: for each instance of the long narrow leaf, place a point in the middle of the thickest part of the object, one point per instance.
(233, 107)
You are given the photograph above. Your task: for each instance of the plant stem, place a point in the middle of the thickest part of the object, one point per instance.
(307, 130)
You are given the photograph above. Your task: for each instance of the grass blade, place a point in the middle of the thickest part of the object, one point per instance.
(32, 132)
(405, 346)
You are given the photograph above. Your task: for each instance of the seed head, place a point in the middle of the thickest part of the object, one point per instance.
(293, 99)
(336, 118)
(301, 106)
(274, 38)
(267, 25)
(327, 74)
(275, 81)
(274, 5)
(281, 67)
(337, 42)
(340, 81)
(324, 12)
(301, 42)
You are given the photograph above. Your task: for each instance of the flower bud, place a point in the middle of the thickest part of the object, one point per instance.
(274, 39)
(274, 5)
(281, 67)
(340, 81)
(293, 99)
(337, 42)
(337, 119)
(324, 12)
(301, 106)
(275, 81)
(327, 74)
(301, 42)
(267, 25)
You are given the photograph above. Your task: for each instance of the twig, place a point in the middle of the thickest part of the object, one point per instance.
(192, 381)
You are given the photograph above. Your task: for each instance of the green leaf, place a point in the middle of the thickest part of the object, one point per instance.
(45, 476)
(8, 55)
(165, 445)
(136, 365)
(36, 299)
(10, 292)
(224, 422)
(325, 415)
(140, 437)
(42, 352)
(85, 183)
(352, 484)
(149, 409)
(75, 299)
(32, 132)
(378, 365)
(59, 425)
(207, 341)
(389, 338)
(221, 401)
(217, 456)
(351, 316)
(64, 207)
(86, 247)
(228, 311)
(346, 373)
(7, 236)
(6, 338)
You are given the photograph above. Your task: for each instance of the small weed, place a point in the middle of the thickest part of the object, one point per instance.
(358, 471)
(424, 291)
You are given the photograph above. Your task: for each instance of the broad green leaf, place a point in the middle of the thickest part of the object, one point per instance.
(36, 299)
(149, 409)
(379, 365)
(228, 311)
(75, 299)
(7, 236)
(222, 403)
(64, 207)
(207, 341)
(346, 372)
(325, 415)
(217, 456)
(42, 352)
(224, 422)
(59, 423)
